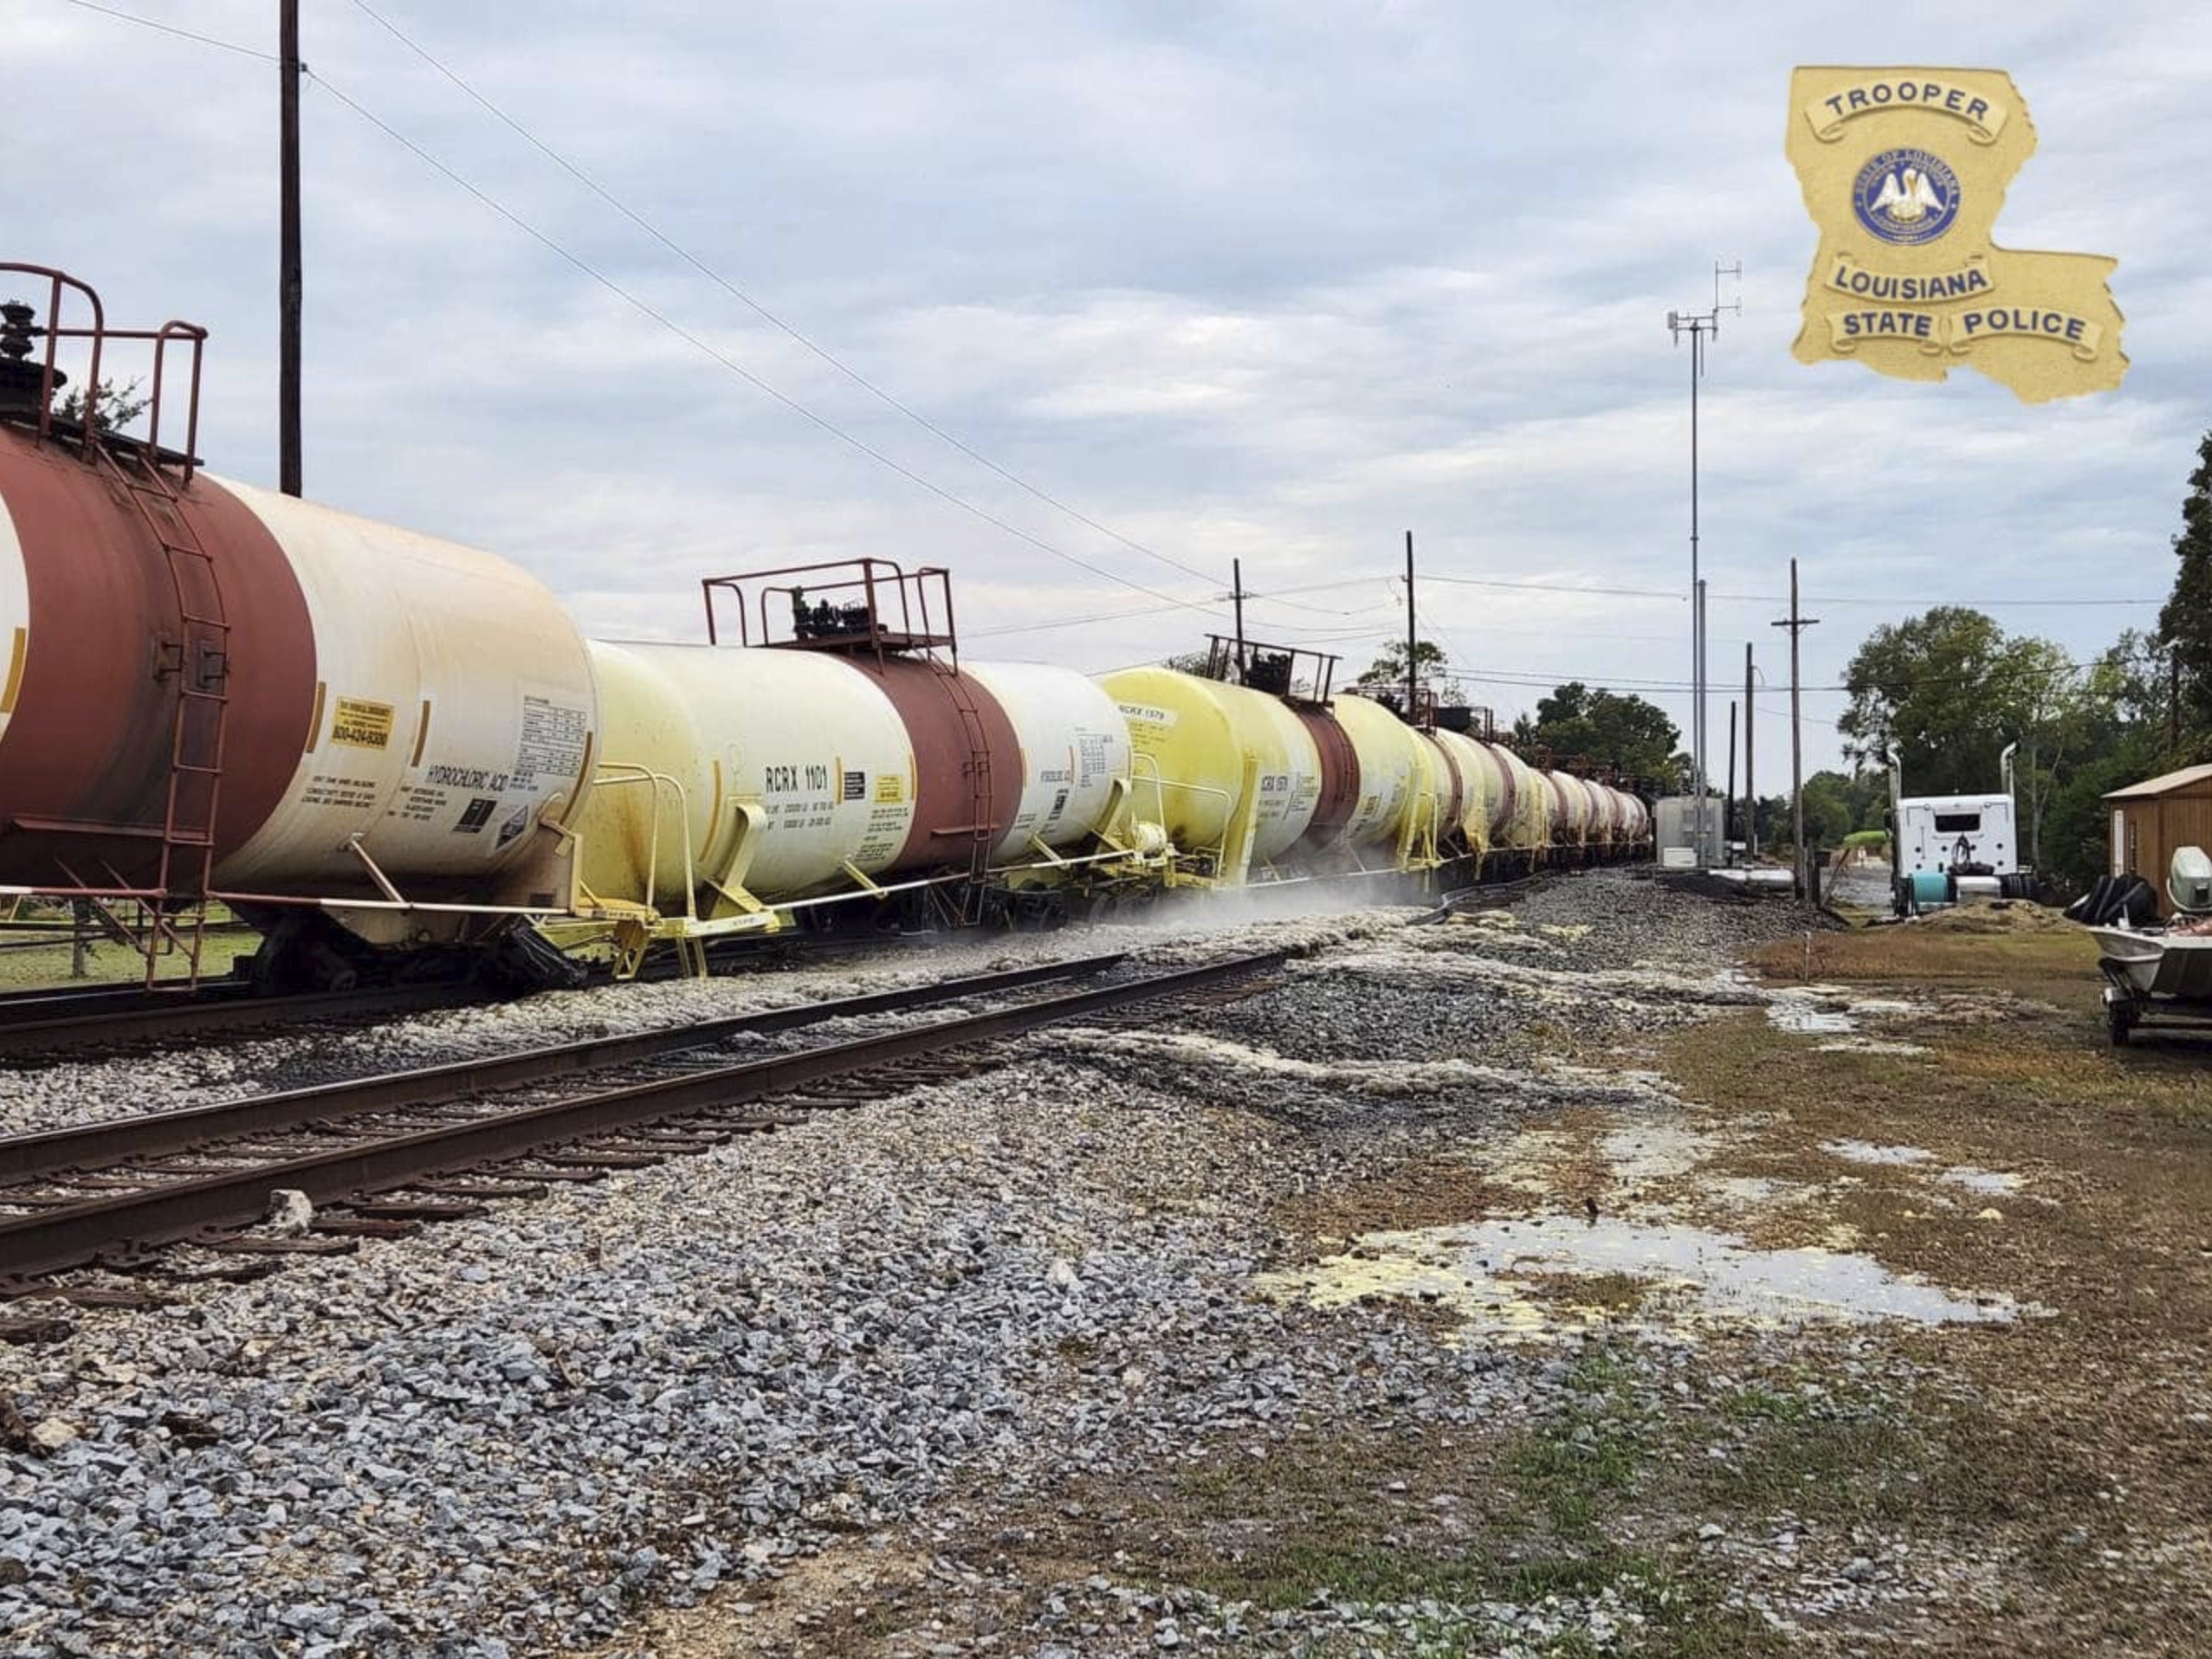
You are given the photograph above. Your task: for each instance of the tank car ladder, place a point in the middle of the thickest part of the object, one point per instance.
(199, 729)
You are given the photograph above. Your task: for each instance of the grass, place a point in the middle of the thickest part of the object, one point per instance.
(2009, 1438)
(1358, 1517)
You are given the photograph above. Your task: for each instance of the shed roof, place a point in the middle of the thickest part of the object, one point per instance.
(2164, 785)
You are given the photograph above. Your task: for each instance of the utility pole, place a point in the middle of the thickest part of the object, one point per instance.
(1728, 803)
(1796, 624)
(1750, 793)
(1237, 594)
(288, 283)
(1410, 642)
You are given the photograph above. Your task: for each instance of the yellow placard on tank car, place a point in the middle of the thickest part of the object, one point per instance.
(1904, 171)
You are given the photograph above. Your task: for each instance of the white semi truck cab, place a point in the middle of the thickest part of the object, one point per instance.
(1951, 847)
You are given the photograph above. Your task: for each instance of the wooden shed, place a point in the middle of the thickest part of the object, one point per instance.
(2150, 819)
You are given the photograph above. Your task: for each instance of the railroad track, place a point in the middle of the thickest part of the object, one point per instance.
(381, 1156)
(53, 1023)
(60, 1019)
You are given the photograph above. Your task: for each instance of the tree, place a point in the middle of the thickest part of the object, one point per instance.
(1606, 727)
(1201, 664)
(2186, 621)
(1386, 674)
(1835, 805)
(1920, 691)
(118, 405)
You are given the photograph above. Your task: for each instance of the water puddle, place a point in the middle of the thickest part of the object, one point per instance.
(1830, 1010)
(1808, 1013)
(1518, 1279)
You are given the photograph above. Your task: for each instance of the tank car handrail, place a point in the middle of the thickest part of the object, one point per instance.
(1161, 782)
(636, 774)
(53, 330)
(55, 280)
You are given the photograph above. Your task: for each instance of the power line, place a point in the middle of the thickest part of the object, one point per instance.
(670, 324)
(760, 310)
(1604, 591)
(739, 368)
(181, 33)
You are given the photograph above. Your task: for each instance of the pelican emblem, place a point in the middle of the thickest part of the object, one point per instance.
(1906, 196)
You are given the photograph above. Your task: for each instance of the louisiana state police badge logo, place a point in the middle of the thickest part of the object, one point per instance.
(1906, 197)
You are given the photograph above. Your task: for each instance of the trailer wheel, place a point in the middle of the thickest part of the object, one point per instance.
(2119, 1020)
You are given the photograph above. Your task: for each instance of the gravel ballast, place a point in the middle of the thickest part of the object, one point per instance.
(517, 1434)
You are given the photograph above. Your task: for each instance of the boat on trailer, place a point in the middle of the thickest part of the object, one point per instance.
(2162, 975)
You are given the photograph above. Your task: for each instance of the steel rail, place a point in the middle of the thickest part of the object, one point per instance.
(186, 1014)
(89, 1145)
(54, 1239)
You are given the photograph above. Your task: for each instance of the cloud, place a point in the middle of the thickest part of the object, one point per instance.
(1241, 282)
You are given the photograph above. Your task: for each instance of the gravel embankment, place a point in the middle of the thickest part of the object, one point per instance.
(511, 1435)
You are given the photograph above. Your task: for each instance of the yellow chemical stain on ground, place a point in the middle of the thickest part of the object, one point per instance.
(1699, 1278)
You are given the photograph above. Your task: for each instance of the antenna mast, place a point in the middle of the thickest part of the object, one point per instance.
(1701, 326)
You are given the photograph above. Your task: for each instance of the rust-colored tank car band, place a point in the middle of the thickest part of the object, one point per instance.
(1563, 810)
(968, 762)
(1512, 788)
(85, 767)
(1340, 776)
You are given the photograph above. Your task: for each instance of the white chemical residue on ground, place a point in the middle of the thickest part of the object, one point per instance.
(1696, 1277)
(1867, 1045)
(1370, 1076)
(1973, 1179)
(1866, 1151)
(1981, 1180)
(1653, 1149)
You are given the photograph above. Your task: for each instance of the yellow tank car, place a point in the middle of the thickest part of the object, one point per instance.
(1231, 776)
(1482, 790)
(1396, 814)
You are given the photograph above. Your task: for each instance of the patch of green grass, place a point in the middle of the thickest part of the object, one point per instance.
(1586, 1455)
(1756, 1404)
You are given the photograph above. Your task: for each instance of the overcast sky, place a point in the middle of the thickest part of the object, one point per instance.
(1273, 281)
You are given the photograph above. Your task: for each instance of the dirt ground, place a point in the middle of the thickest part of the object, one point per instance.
(1930, 1112)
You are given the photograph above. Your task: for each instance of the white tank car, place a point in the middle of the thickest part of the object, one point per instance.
(1397, 784)
(1074, 753)
(453, 713)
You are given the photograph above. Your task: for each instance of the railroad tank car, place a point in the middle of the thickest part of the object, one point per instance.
(1478, 777)
(712, 800)
(1639, 820)
(1231, 776)
(1570, 809)
(1600, 833)
(350, 715)
(1395, 799)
